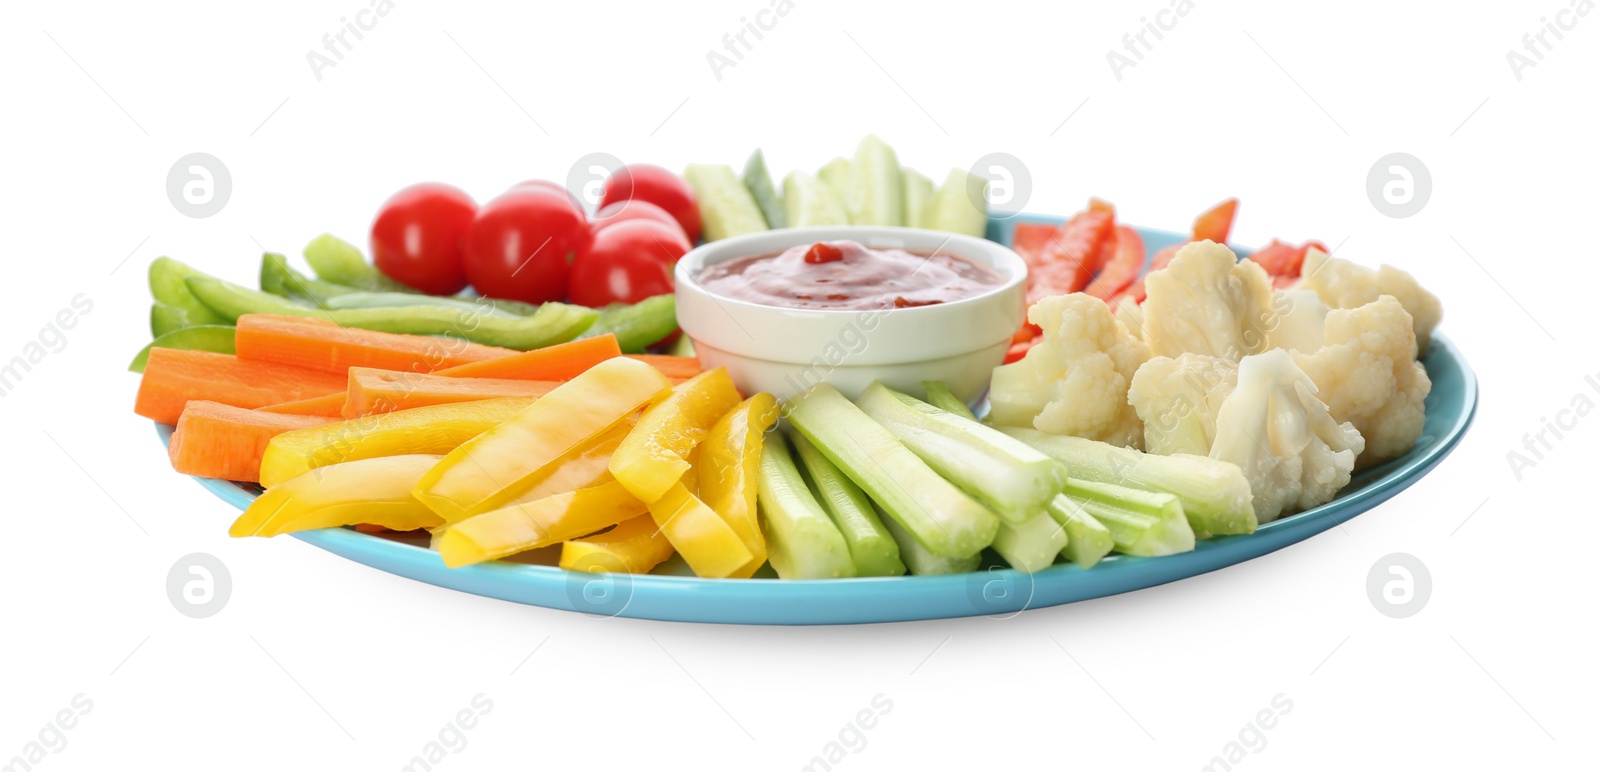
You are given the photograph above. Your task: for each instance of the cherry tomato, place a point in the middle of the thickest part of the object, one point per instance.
(627, 262)
(548, 185)
(623, 211)
(418, 235)
(644, 182)
(522, 244)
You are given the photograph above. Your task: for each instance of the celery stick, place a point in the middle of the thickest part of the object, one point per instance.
(1142, 523)
(940, 396)
(1031, 545)
(802, 543)
(1087, 539)
(872, 549)
(920, 562)
(1010, 477)
(682, 347)
(1215, 494)
(945, 520)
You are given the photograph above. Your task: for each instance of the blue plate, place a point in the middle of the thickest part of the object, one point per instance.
(672, 594)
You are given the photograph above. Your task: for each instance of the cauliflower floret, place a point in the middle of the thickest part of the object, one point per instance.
(1075, 380)
(1131, 314)
(1343, 284)
(1207, 302)
(1178, 400)
(1274, 428)
(1300, 317)
(1368, 374)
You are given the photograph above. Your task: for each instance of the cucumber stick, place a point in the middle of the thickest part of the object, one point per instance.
(943, 518)
(1141, 523)
(759, 182)
(843, 177)
(919, 196)
(940, 396)
(338, 261)
(807, 201)
(920, 562)
(1013, 479)
(726, 206)
(1087, 539)
(960, 205)
(1031, 545)
(1215, 494)
(872, 549)
(802, 542)
(168, 285)
(882, 182)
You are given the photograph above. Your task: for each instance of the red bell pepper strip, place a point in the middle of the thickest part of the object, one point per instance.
(1123, 268)
(1283, 260)
(1018, 350)
(1031, 239)
(1072, 258)
(1215, 223)
(1164, 256)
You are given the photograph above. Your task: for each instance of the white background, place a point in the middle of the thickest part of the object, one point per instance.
(320, 663)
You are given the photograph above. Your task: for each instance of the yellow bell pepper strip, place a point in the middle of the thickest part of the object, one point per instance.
(437, 429)
(490, 470)
(655, 456)
(550, 520)
(727, 466)
(634, 547)
(708, 544)
(371, 491)
(581, 467)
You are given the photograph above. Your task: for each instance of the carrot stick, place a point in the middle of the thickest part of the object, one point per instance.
(173, 377)
(385, 391)
(676, 368)
(331, 348)
(561, 362)
(329, 406)
(226, 442)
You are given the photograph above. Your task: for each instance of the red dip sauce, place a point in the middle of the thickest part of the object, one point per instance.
(846, 275)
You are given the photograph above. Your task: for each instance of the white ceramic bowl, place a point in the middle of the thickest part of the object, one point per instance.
(786, 350)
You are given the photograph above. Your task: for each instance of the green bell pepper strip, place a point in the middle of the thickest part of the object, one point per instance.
(483, 306)
(281, 279)
(165, 318)
(553, 323)
(167, 285)
(639, 325)
(338, 261)
(200, 337)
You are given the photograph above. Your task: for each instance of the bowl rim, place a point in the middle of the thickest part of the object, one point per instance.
(1006, 261)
